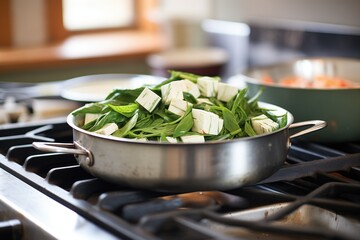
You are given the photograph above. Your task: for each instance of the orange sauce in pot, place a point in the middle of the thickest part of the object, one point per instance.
(320, 81)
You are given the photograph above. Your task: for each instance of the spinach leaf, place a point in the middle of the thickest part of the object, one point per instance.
(165, 114)
(230, 122)
(152, 131)
(169, 80)
(126, 110)
(249, 129)
(122, 132)
(89, 108)
(109, 117)
(280, 119)
(189, 76)
(123, 96)
(218, 137)
(235, 103)
(189, 97)
(184, 75)
(184, 125)
(283, 121)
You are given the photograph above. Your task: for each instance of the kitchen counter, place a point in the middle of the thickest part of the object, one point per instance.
(82, 49)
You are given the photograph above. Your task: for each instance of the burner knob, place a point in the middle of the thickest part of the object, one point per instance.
(11, 229)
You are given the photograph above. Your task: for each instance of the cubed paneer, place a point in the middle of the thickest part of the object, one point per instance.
(141, 139)
(173, 90)
(226, 92)
(262, 124)
(204, 100)
(192, 88)
(171, 139)
(208, 86)
(179, 106)
(148, 99)
(193, 139)
(89, 117)
(108, 129)
(206, 122)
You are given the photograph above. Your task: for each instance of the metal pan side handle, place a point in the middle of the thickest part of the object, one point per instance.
(69, 148)
(315, 125)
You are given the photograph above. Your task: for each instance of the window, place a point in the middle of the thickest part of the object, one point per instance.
(133, 35)
(68, 17)
(97, 14)
(5, 31)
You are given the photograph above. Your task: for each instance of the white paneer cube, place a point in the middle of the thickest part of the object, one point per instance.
(193, 139)
(203, 100)
(208, 86)
(262, 124)
(171, 139)
(192, 88)
(108, 129)
(179, 106)
(141, 139)
(89, 117)
(226, 92)
(206, 122)
(173, 90)
(148, 99)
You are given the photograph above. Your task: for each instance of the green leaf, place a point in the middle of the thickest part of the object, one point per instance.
(166, 130)
(233, 105)
(162, 138)
(169, 80)
(126, 110)
(189, 76)
(123, 96)
(122, 132)
(89, 108)
(189, 98)
(230, 122)
(165, 114)
(283, 121)
(109, 117)
(184, 125)
(249, 129)
(184, 75)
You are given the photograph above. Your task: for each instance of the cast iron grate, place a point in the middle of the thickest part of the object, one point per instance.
(307, 179)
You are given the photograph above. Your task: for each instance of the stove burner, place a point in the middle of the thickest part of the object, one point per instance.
(317, 178)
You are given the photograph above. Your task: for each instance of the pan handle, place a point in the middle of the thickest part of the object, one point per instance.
(69, 148)
(315, 125)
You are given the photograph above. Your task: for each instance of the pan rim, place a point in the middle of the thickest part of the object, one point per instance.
(71, 119)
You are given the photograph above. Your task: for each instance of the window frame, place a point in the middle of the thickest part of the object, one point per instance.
(57, 31)
(5, 19)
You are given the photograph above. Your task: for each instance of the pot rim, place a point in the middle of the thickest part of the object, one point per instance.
(253, 80)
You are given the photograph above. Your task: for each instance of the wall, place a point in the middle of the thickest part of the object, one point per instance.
(344, 12)
(181, 18)
(181, 21)
(29, 25)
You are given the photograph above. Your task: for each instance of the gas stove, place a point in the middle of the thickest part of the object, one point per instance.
(315, 195)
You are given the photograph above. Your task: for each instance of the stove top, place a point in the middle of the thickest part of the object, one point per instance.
(315, 195)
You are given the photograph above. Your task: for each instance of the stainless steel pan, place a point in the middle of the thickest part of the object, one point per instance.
(217, 165)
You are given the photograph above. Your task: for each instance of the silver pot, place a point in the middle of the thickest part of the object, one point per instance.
(337, 106)
(216, 165)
